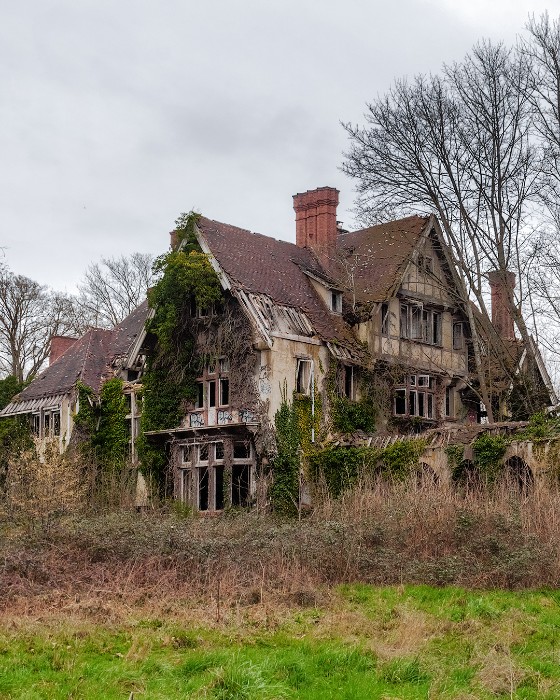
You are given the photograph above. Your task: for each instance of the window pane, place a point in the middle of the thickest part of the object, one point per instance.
(412, 403)
(385, 319)
(400, 402)
(200, 397)
(219, 487)
(224, 392)
(203, 453)
(56, 423)
(421, 403)
(436, 319)
(203, 489)
(211, 394)
(219, 451)
(241, 450)
(240, 485)
(404, 321)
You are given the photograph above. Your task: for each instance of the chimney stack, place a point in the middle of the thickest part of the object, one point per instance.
(316, 226)
(502, 284)
(59, 345)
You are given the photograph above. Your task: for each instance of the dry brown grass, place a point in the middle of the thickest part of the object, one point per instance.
(107, 565)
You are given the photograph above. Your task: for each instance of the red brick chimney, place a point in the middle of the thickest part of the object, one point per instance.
(502, 284)
(173, 239)
(316, 226)
(59, 345)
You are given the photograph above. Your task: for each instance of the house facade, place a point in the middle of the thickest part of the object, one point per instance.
(372, 318)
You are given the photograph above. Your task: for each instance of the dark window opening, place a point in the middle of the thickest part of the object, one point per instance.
(46, 424)
(200, 396)
(336, 301)
(219, 451)
(240, 485)
(203, 453)
(384, 319)
(241, 450)
(132, 375)
(211, 394)
(400, 402)
(224, 392)
(349, 381)
(219, 487)
(36, 424)
(203, 489)
(519, 473)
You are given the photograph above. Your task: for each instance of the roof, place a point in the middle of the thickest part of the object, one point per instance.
(380, 255)
(88, 360)
(258, 264)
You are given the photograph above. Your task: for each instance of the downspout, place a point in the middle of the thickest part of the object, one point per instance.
(313, 401)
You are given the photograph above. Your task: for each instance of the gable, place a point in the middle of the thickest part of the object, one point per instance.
(427, 274)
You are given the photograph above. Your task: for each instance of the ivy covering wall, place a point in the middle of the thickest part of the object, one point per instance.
(185, 274)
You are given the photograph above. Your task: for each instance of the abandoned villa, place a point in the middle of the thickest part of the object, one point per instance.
(368, 331)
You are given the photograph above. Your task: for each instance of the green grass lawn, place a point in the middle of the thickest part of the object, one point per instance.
(360, 642)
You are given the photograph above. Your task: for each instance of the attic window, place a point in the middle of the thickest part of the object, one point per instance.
(336, 301)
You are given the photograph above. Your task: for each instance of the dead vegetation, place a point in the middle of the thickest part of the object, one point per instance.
(102, 565)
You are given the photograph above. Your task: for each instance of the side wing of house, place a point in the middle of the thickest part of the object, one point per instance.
(417, 332)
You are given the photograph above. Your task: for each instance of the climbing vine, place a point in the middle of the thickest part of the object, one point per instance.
(488, 452)
(348, 416)
(102, 423)
(340, 468)
(186, 280)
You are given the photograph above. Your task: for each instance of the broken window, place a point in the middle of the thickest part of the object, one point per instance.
(47, 424)
(404, 323)
(449, 402)
(56, 423)
(224, 392)
(240, 483)
(303, 376)
(241, 450)
(36, 424)
(219, 487)
(400, 402)
(418, 323)
(336, 301)
(349, 381)
(211, 394)
(203, 454)
(203, 490)
(219, 451)
(457, 336)
(384, 319)
(416, 398)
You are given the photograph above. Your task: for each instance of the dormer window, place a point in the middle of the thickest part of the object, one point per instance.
(336, 301)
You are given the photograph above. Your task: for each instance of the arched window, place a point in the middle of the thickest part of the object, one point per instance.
(519, 474)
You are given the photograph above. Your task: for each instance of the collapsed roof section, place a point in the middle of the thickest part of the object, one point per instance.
(90, 360)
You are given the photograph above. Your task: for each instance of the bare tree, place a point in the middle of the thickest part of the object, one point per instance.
(457, 144)
(114, 287)
(30, 314)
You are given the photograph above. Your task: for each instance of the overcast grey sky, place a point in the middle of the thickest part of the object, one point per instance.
(117, 115)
